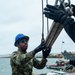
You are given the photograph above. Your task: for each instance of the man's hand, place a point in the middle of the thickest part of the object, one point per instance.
(55, 13)
(40, 47)
(46, 52)
(73, 9)
(59, 15)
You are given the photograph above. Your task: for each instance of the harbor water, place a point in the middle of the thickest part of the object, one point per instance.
(5, 68)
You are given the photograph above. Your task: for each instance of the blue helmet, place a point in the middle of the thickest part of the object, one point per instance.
(19, 37)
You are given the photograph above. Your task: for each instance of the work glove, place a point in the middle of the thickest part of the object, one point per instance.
(73, 9)
(58, 15)
(65, 61)
(40, 47)
(55, 13)
(46, 52)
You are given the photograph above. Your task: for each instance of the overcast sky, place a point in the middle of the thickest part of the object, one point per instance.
(24, 16)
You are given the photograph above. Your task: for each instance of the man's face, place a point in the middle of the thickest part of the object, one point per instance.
(23, 44)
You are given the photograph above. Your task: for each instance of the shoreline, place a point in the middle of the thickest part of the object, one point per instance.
(46, 74)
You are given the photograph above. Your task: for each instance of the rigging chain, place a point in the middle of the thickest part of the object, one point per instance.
(65, 5)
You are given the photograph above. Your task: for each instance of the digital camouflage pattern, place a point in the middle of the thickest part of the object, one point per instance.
(22, 64)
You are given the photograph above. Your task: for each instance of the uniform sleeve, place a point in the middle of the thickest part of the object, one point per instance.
(19, 58)
(69, 26)
(39, 64)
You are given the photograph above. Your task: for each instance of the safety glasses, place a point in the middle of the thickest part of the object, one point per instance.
(23, 41)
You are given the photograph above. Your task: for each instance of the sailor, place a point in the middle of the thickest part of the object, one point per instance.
(58, 15)
(22, 62)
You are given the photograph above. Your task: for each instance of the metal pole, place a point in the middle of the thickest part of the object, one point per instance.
(42, 22)
(47, 20)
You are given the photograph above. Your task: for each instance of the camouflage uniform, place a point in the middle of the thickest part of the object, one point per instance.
(22, 64)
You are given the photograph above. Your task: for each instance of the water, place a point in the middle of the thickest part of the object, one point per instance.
(5, 68)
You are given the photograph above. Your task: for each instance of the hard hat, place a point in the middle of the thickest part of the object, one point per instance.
(19, 37)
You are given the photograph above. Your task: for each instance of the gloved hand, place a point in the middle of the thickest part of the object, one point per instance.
(46, 52)
(65, 61)
(73, 9)
(55, 13)
(61, 16)
(40, 47)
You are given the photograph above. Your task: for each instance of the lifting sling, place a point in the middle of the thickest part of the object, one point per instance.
(56, 28)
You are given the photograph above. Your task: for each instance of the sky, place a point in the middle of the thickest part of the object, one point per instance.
(25, 16)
